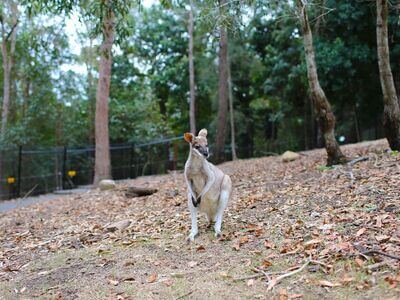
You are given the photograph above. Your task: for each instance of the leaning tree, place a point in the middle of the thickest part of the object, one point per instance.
(322, 107)
(391, 111)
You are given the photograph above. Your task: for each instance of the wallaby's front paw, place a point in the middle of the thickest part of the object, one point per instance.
(191, 237)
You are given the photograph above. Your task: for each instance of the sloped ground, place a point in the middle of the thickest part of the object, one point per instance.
(282, 216)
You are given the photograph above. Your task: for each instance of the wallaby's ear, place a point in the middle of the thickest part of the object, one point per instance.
(203, 132)
(188, 137)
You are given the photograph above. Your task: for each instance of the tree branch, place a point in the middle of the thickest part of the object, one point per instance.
(369, 252)
(11, 31)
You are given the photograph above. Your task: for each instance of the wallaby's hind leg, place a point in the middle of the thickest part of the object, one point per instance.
(193, 216)
(226, 188)
(209, 221)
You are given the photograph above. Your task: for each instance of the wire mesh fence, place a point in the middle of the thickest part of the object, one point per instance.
(34, 170)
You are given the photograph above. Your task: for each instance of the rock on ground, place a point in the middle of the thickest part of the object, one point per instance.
(107, 184)
(289, 156)
(120, 225)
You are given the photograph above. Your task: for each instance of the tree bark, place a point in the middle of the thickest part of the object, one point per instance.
(322, 107)
(102, 160)
(7, 41)
(90, 92)
(192, 109)
(391, 111)
(222, 89)
(231, 113)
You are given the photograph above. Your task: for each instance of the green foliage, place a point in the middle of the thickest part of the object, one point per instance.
(149, 85)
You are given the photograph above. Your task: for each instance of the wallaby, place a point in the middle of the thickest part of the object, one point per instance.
(209, 189)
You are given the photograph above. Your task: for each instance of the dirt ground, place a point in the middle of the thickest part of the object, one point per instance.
(314, 224)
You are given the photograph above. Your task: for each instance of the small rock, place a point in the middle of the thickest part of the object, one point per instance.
(120, 225)
(107, 184)
(289, 156)
(314, 214)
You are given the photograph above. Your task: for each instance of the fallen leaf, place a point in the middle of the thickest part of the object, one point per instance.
(327, 283)
(269, 245)
(272, 255)
(225, 275)
(324, 252)
(312, 243)
(359, 262)
(361, 231)
(250, 282)
(168, 282)
(192, 264)
(152, 278)
(113, 282)
(243, 240)
(200, 248)
(129, 263)
(382, 238)
(266, 263)
(295, 296)
(283, 294)
(346, 279)
(247, 262)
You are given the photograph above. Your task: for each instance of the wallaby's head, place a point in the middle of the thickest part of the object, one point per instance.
(198, 143)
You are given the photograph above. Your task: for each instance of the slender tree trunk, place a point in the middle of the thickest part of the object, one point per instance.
(102, 160)
(90, 92)
(8, 39)
(26, 93)
(391, 111)
(322, 106)
(6, 86)
(231, 112)
(192, 109)
(222, 89)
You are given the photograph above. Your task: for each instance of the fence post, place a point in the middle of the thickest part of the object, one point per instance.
(132, 154)
(64, 168)
(19, 171)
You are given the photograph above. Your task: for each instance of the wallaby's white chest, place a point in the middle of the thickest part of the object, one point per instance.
(198, 182)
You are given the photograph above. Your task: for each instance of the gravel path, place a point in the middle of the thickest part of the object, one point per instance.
(8, 205)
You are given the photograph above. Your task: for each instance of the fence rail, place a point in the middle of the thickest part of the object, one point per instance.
(33, 170)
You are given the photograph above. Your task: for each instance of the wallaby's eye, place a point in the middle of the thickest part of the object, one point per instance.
(197, 146)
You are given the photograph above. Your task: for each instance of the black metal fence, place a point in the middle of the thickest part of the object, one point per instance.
(33, 170)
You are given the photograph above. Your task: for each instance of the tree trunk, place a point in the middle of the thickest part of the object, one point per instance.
(322, 106)
(8, 41)
(90, 92)
(6, 86)
(192, 109)
(231, 113)
(102, 160)
(391, 111)
(222, 89)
